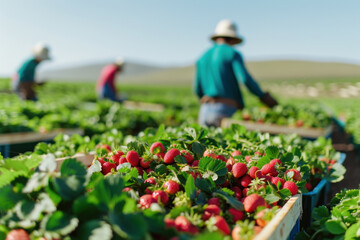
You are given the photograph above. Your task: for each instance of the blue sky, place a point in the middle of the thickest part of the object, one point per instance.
(169, 32)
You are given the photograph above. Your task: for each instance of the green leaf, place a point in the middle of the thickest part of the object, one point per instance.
(335, 227)
(59, 222)
(86, 208)
(190, 188)
(203, 185)
(262, 161)
(94, 230)
(72, 167)
(320, 213)
(7, 176)
(285, 193)
(180, 159)
(210, 235)
(37, 181)
(95, 167)
(176, 211)
(160, 169)
(137, 146)
(28, 210)
(8, 198)
(213, 165)
(129, 226)
(271, 198)
(69, 187)
(337, 173)
(155, 221)
(272, 152)
(353, 232)
(48, 163)
(231, 200)
(198, 149)
(287, 158)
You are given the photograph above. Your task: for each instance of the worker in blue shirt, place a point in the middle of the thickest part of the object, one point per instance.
(23, 81)
(218, 74)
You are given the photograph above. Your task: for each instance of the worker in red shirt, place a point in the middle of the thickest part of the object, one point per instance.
(106, 88)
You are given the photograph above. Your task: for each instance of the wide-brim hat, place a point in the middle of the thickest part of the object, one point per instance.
(226, 28)
(41, 51)
(119, 61)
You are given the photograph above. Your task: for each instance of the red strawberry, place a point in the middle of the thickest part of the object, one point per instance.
(245, 181)
(116, 157)
(258, 153)
(237, 191)
(245, 191)
(268, 169)
(275, 180)
(107, 166)
(127, 189)
(146, 201)
(253, 201)
(308, 186)
(239, 169)
(150, 180)
(195, 163)
(160, 155)
(235, 234)
(164, 198)
(252, 171)
(236, 153)
(148, 170)
(275, 161)
(292, 187)
(210, 153)
(140, 170)
(225, 184)
(157, 147)
(299, 123)
(145, 163)
(214, 201)
(101, 160)
(122, 160)
(211, 210)
(171, 187)
(248, 158)
(189, 158)
(169, 223)
(133, 158)
(297, 175)
(260, 218)
(148, 191)
(236, 214)
(105, 146)
(229, 167)
(17, 234)
(222, 225)
(182, 224)
(221, 157)
(230, 161)
(169, 157)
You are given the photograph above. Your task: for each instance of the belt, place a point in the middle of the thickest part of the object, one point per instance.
(228, 101)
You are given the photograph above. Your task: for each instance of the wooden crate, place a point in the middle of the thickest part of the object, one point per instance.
(27, 137)
(311, 133)
(285, 224)
(84, 158)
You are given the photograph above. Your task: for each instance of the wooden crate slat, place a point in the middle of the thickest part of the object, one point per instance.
(278, 129)
(84, 158)
(281, 225)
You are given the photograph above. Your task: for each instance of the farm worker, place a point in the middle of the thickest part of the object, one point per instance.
(218, 74)
(106, 88)
(23, 81)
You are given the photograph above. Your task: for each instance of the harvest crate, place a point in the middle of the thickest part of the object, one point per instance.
(317, 197)
(8, 139)
(286, 223)
(84, 158)
(311, 133)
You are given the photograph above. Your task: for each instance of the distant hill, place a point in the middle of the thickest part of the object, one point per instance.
(261, 70)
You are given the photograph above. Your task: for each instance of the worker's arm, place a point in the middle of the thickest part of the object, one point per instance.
(243, 76)
(197, 84)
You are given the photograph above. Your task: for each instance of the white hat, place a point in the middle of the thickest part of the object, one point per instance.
(119, 61)
(226, 28)
(41, 51)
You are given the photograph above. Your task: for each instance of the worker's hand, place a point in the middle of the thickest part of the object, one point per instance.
(41, 83)
(268, 100)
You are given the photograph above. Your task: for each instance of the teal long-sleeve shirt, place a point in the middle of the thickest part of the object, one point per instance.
(26, 73)
(219, 72)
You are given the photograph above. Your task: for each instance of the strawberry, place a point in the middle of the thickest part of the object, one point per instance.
(116, 157)
(195, 163)
(160, 155)
(148, 191)
(148, 170)
(146, 200)
(17, 234)
(245, 181)
(260, 218)
(308, 186)
(150, 180)
(133, 158)
(170, 155)
(236, 233)
(248, 158)
(296, 176)
(230, 161)
(189, 158)
(105, 146)
(252, 171)
(214, 201)
(245, 191)
(253, 201)
(182, 224)
(239, 169)
(299, 123)
(127, 189)
(107, 166)
(275, 180)
(122, 160)
(236, 153)
(292, 187)
(169, 223)
(145, 163)
(229, 167)
(160, 195)
(157, 147)
(102, 161)
(222, 225)
(210, 153)
(236, 214)
(237, 191)
(140, 170)
(258, 153)
(211, 210)
(225, 184)
(221, 157)
(257, 229)
(268, 169)
(275, 161)
(171, 187)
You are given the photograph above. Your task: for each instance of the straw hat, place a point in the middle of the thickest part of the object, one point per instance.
(119, 62)
(226, 28)
(41, 51)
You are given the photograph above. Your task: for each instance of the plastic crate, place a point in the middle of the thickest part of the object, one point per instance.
(317, 197)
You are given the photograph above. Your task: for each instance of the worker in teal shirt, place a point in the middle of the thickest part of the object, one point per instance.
(23, 82)
(218, 74)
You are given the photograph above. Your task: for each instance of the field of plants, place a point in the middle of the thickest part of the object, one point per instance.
(138, 174)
